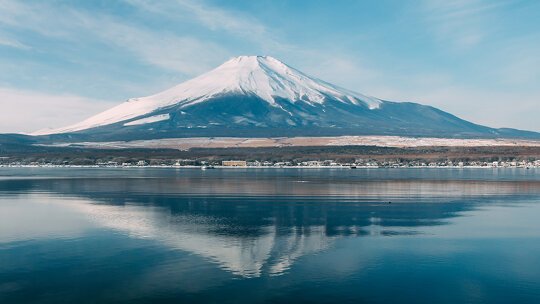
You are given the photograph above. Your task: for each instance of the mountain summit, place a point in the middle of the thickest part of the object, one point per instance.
(260, 96)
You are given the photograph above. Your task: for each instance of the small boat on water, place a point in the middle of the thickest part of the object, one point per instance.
(207, 167)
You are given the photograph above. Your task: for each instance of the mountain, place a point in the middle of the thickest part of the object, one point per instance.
(260, 96)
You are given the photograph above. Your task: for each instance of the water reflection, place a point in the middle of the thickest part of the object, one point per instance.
(256, 225)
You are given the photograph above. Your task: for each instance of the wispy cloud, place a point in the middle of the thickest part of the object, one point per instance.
(452, 10)
(27, 111)
(463, 23)
(41, 18)
(167, 50)
(4, 41)
(211, 17)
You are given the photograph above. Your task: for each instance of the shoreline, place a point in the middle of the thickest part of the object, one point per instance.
(268, 167)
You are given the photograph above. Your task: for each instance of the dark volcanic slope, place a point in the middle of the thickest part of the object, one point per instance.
(248, 116)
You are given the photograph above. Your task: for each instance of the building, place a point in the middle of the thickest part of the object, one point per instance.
(185, 162)
(254, 163)
(234, 163)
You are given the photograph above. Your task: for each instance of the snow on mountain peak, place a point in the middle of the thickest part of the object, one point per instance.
(262, 76)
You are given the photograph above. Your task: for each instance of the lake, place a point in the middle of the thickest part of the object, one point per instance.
(144, 235)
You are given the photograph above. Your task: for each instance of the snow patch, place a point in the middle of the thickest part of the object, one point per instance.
(147, 120)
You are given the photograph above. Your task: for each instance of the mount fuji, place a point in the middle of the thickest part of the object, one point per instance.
(260, 96)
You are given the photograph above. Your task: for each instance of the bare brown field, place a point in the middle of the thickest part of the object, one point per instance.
(239, 142)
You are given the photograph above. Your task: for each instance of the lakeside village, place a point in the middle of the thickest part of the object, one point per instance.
(358, 163)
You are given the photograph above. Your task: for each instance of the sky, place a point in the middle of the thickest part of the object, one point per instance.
(63, 61)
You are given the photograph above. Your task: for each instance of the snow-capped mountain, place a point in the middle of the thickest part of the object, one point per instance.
(261, 96)
(261, 76)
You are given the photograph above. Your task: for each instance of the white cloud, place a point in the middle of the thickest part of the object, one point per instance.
(41, 18)
(463, 23)
(7, 40)
(211, 17)
(4, 41)
(187, 55)
(27, 111)
(183, 53)
(235, 24)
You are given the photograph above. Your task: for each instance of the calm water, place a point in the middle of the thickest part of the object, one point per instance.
(249, 236)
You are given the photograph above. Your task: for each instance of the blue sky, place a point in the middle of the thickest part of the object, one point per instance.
(62, 61)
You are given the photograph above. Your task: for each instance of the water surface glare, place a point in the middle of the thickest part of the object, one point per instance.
(81, 235)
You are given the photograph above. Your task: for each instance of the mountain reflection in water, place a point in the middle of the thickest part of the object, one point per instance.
(79, 235)
(258, 224)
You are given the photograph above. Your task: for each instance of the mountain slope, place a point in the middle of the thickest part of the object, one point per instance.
(258, 96)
